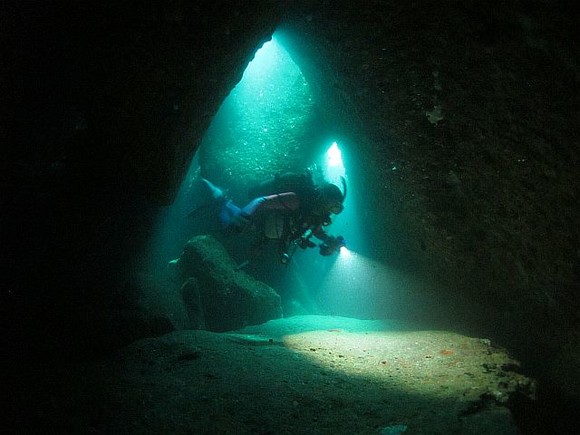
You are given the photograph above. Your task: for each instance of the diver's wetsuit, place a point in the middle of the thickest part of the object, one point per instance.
(286, 217)
(287, 203)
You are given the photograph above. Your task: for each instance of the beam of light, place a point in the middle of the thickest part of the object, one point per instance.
(388, 355)
(333, 164)
(361, 287)
(334, 156)
(420, 362)
(260, 128)
(271, 83)
(344, 253)
(265, 61)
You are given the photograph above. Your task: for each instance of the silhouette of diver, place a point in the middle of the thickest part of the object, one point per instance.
(291, 218)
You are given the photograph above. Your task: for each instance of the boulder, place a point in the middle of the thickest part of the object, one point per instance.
(219, 296)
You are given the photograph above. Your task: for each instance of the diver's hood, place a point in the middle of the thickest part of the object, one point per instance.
(334, 195)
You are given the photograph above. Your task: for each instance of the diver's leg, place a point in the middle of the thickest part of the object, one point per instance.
(228, 213)
(253, 205)
(212, 197)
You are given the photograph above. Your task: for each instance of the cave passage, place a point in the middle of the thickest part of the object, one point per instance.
(271, 123)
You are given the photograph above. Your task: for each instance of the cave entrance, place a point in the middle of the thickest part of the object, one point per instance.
(269, 123)
(272, 122)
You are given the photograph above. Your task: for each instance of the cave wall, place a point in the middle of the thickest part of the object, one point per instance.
(137, 76)
(466, 118)
(103, 106)
(469, 118)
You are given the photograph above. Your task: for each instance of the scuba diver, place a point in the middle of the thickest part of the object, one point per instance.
(289, 209)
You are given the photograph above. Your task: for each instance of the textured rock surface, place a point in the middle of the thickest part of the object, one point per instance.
(306, 374)
(220, 296)
(104, 104)
(467, 122)
(486, 194)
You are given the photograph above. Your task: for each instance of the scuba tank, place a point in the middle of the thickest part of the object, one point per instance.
(301, 184)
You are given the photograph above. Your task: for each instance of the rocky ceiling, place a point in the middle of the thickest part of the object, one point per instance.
(465, 118)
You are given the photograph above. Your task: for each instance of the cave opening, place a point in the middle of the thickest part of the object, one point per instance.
(272, 123)
(279, 119)
(282, 117)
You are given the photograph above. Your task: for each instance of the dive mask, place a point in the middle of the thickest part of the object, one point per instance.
(336, 208)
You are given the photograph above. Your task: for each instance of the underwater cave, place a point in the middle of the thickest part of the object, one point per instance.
(136, 299)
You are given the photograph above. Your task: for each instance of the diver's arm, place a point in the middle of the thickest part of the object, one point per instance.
(320, 234)
(330, 244)
(280, 201)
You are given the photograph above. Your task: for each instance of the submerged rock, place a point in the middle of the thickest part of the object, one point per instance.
(218, 296)
(297, 375)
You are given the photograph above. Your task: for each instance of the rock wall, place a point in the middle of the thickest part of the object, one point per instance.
(103, 106)
(466, 118)
(218, 295)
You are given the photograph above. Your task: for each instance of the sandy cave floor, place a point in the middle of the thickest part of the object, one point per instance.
(303, 374)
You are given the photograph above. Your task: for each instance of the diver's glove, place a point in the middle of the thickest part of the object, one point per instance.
(305, 242)
(331, 245)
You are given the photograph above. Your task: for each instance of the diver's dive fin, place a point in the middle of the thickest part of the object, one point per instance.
(216, 193)
(217, 197)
